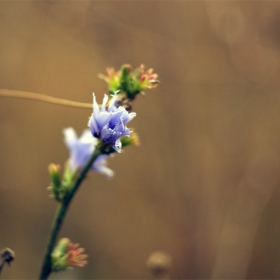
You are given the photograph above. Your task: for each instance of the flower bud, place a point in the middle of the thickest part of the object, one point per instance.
(54, 170)
(7, 255)
(66, 255)
(133, 140)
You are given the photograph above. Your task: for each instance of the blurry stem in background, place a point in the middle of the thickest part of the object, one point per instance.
(243, 219)
(60, 214)
(2, 265)
(43, 98)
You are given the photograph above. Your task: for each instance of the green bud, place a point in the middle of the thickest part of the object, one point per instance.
(133, 140)
(59, 257)
(59, 187)
(54, 170)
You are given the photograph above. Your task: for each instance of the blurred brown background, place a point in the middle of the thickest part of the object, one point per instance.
(203, 186)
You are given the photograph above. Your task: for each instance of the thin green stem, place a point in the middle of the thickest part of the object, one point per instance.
(60, 214)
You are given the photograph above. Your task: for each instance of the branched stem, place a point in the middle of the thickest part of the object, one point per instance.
(43, 98)
(60, 214)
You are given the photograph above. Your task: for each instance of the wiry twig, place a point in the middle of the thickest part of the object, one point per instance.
(43, 98)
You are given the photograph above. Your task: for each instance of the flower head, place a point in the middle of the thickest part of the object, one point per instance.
(109, 124)
(130, 82)
(74, 255)
(81, 149)
(67, 254)
(145, 79)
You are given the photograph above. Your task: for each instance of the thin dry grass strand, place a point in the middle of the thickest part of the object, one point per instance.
(43, 98)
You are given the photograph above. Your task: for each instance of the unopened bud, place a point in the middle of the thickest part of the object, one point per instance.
(7, 255)
(54, 170)
(133, 140)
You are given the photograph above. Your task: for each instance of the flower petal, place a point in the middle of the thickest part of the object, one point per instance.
(70, 137)
(81, 149)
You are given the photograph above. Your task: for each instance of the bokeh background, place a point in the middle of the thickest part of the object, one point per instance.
(204, 184)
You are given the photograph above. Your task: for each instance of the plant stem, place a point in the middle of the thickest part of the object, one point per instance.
(43, 98)
(2, 265)
(60, 214)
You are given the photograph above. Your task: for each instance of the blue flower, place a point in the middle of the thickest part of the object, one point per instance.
(109, 125)
(81, 149)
